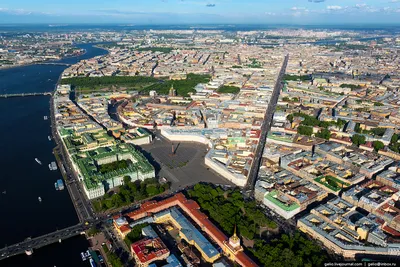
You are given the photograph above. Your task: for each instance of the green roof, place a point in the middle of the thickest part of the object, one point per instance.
(271, 197)
(88, 166)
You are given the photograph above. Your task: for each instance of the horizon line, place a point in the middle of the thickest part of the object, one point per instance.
(195, 24)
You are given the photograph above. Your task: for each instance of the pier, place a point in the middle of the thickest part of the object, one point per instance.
(25, 94)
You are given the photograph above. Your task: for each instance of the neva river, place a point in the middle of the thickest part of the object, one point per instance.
(24, 137)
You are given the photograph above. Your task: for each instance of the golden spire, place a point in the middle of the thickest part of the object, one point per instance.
(235, 237)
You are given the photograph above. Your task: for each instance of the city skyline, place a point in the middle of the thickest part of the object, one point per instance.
(204, 12)
(199, 133)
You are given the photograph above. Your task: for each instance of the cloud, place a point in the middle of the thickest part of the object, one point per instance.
(334, 7)
(15, 11)
(361, 6)
(296, 8)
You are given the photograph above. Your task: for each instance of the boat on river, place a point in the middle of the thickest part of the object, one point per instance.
(53, 166)
(59, 185)
(29, 252)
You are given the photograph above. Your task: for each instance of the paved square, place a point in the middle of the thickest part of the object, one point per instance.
(186, 167)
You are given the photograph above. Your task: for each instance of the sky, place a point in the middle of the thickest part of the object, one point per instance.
(201, 11)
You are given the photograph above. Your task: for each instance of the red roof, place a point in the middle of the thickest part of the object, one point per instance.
(244, 260)
(124, 228)
(391, 231)
(193, 210)
(149, 250)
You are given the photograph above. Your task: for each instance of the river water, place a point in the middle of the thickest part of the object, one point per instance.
(23, 137)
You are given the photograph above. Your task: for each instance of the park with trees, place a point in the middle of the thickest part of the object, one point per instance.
(153, 49)
(116, 165)
(182, 87)
(289, 250)
(358, 139)
(112, 258)
(305, 130)
(228, 89)
(351, 86)
(228, 208)
(324, 133)
(140, 83)
(108, 80)
(312, 121)
(130, 192)
(395, 144)
(378, 145)
(289, 77)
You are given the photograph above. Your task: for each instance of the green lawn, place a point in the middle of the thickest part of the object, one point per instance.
(140, 83)
(139, 86)
(229, 89)
(280, 138)
(331, 182)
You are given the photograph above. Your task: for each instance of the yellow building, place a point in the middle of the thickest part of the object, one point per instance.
(233, 246)
(190, 234)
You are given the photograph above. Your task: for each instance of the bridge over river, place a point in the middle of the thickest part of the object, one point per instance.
(44, 240)
(54, 63)
(24, 94)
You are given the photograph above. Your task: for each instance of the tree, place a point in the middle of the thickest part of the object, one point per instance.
(92, 231)
(117, 200)
(378, 145)
(152, 190)
(127, 179)
(290, 118)
(305, 130)
(340, 122)
(378, 131)
(395, 147)
(357, 128)
(394, 139)
(358, 139)
(135, 234)
(228, 89)
(378, 104)
(324, 133)
(114, 259)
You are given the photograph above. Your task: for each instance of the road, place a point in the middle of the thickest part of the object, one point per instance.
(82, 205)
(265, 128)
